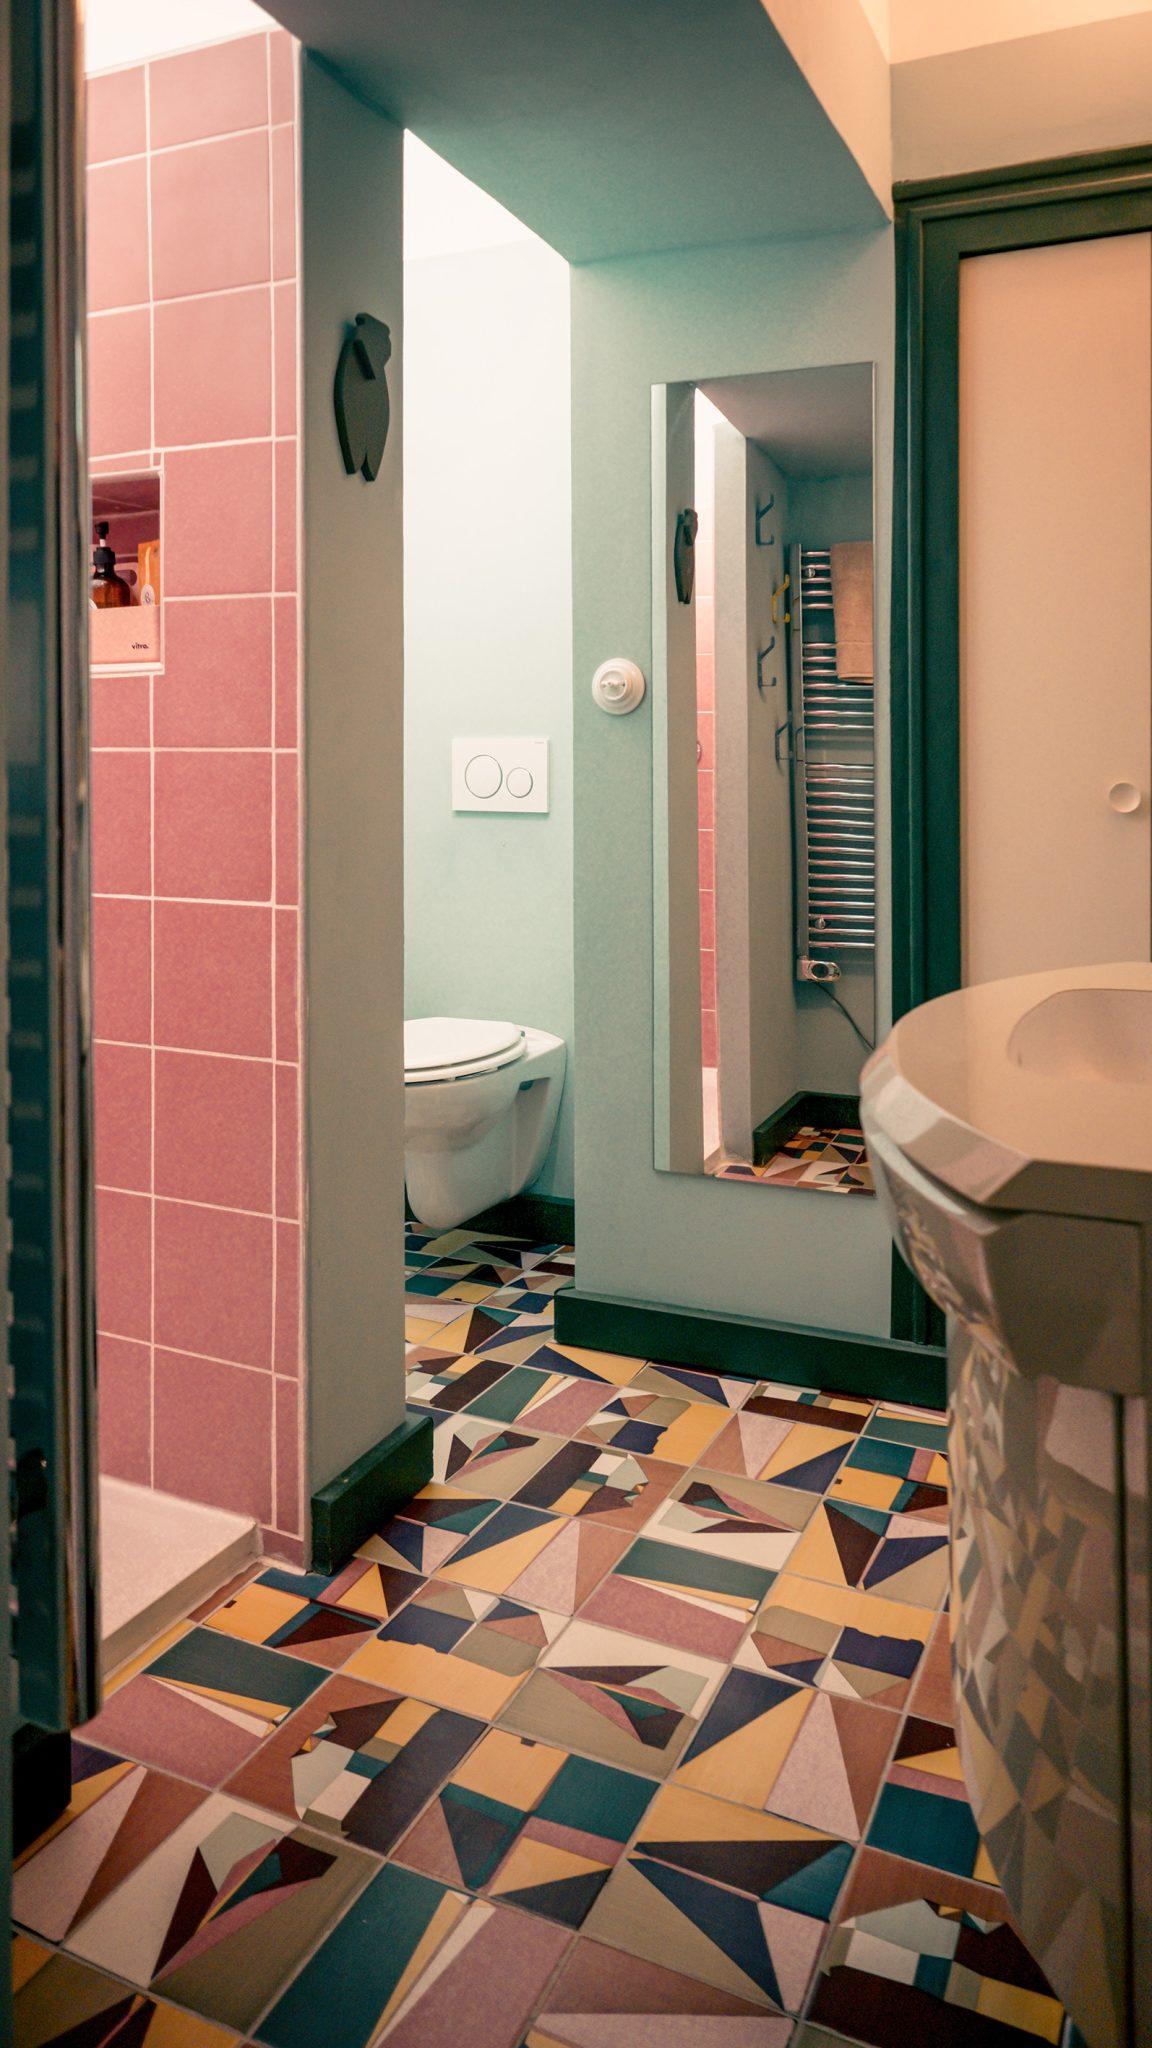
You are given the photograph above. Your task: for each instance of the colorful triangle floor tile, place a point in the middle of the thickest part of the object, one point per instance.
(457, 1647)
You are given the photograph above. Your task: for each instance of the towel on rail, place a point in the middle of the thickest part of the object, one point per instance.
(852, 605)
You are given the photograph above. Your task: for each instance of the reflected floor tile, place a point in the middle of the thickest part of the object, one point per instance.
(738, 1898)
(60, 2003)
(897, 1557)
(923, 1812)
(429, 1529)
(932, 1696)
(357, 1761)
(920, 1956)
(471, 1451)
(616, 1697)
(685, 1598)
(839, 1640)
(604, 1998)
(657, 1425)
(456, 1647)
(530, 1825)
(618, 1488)
(743, 1520)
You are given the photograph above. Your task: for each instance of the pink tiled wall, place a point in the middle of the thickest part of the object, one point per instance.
(706, 750)
(195, 785)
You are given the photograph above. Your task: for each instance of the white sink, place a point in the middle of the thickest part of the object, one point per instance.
(1088, 1034)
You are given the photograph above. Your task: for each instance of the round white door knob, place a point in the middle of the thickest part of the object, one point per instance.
(618, 686)
(1125, 798)
(483, 775)
(518, 782)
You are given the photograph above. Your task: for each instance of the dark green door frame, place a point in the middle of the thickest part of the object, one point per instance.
(938, 224)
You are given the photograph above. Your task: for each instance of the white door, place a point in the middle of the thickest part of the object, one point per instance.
(1056, 606)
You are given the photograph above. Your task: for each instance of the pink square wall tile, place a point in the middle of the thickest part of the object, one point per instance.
(705, 681)
(122, 1099)
(287, 672)
(214, 978)
(706, 739)
(214, 1130)
(124, 1264)
(287, 1141)
(283, 202)
(211, 91)
(286, 354)
(216, 690)
(214, 825)
(214, 368)
(287, 985)
(288, 1456)
(707, 860)
(214, 1283)
(119, 711)
(286, 496)
(286, 1350)
(117, 228)
(706, 799)
(210, 218)
(119, 381)
(218, 521)
(708, 980)
(121, 824)
(122, 969)
(213, 1433)
(287, 828)
(284, 1549)
(116, 124)
(282, 72)
(124, 1395)
(708, 1041)
(707, 920)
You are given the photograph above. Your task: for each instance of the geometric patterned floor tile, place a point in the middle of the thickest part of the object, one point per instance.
(897, 1425)
(606, 1368)
(268, 1610)
(681, 1597)
(920, 1956)
(432, 1526)
(612, 1486)
(932, 1698)
(684, 1383)
(802, 1754)
(549, 1561)
(603, 1998)
(734, 1897)
(483, 1983)
(530, 1825)
(764, 1420)
(357, 1762)
(616, 1697)
(456, 1647)
(471, 1451)
(658, 1425)
(923, 1812)
(60, 2003)
(839, 1640)
(898, 1557)
(743, 1520)
(902, 1478)
(374, 1591)
(217, 1916)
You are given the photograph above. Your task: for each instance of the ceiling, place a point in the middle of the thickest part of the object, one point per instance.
(610, 127)
(813, 423)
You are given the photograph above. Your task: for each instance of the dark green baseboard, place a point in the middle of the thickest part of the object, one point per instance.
(546, 1219)
(878, 1368)
(354, 1503)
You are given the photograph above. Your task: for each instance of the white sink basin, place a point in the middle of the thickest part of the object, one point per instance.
(1088, 1034)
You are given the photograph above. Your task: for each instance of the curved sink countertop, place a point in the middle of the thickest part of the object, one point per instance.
(991, 1095)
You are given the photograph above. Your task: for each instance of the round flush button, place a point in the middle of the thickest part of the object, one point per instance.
(519, 782)
(483, 775)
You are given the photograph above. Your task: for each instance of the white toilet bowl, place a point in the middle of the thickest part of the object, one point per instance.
(480, 1107)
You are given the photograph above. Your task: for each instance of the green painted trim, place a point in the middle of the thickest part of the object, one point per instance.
(879, 1368)
(974, 187)
(546, 1219)
(354, 1503)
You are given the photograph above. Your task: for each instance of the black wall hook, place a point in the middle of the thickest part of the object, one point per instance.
(684, 553)
(762, 512)
(360, 396)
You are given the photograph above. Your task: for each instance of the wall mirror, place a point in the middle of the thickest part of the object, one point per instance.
(765, 722)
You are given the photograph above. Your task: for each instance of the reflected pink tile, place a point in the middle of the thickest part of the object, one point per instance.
(706, 735)
(286, 355)
(119, 711)
(196, 400)
(287, 1141)
(210, 216)
(282, 73)
(705, 800)
(286, 493)
(124, 1264)
(218, 521)
(122, 969)
(119, 381)
(286, 1355)
(210, 91)
(287, 828)
(707, 860)
(284, 202)
(287, 985)
(708, 980)
(288, 1457)
(122, 1114)
(117, 229)
(216, 690)
(287, 671)
(214, 1130)
(124, 1380)
(707, 920)
(705, 681)
(708, 1038)
(214, 1283)
(116, 123)
(213, 1434)
(214, 826)
(214, 978)
(121, 824)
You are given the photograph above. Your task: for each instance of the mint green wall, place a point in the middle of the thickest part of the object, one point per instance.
(488, 638)
(659, 1237)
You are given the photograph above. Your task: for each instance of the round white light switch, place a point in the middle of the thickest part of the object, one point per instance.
(483, 775)
(518, 782)
(618, 686)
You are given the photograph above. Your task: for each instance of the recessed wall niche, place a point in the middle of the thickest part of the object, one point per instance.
(130, 636)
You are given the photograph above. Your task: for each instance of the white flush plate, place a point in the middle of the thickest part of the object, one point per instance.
(500, 775)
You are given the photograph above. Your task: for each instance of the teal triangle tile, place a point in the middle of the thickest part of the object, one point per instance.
(596, 1799)
(732, 1924)
(339, 1997)
(509, 1520)
(205, 1657)
(481, 1832)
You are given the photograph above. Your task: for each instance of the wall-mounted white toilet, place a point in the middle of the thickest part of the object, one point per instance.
(480, 1106)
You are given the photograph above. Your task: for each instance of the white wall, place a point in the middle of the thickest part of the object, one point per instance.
(928, 28)
(120, 32)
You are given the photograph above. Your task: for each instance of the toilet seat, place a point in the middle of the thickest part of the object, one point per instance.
(451, 1048)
